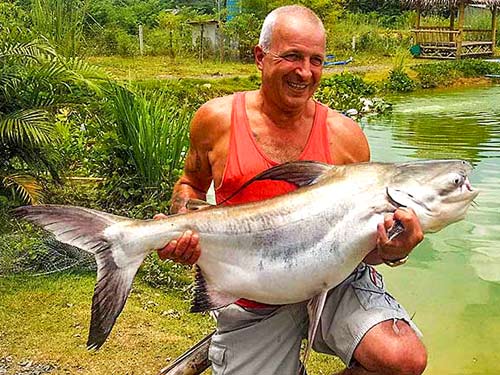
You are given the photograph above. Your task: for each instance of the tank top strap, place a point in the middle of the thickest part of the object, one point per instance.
(318, 145)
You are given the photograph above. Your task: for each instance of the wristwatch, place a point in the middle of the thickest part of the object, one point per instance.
(395, 262)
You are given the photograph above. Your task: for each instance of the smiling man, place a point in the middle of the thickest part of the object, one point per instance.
(233, 138)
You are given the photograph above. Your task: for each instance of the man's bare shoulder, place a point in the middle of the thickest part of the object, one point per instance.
(347, 140)
(212, 119)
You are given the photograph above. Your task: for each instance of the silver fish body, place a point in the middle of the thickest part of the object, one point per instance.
(283, 250)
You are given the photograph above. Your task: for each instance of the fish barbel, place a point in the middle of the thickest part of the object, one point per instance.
(283, 250)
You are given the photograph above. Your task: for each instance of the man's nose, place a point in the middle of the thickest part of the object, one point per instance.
(305, 69)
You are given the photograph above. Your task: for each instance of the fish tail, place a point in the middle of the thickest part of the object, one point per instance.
(85, 228)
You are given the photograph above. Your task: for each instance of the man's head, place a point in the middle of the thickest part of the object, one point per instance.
(290, 55)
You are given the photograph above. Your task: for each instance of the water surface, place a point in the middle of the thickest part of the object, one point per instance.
(452, 280)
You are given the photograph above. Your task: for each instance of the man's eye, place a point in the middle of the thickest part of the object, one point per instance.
(316, 61)
(292, 57)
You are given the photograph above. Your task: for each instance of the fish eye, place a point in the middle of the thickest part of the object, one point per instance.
(458, 180)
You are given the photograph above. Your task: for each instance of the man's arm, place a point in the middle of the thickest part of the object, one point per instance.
(193, 184)
(348, 144)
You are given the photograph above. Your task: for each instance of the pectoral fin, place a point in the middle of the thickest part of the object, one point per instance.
(206, 297)
(315, 309)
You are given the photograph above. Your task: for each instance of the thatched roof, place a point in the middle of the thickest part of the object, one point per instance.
(429, 4)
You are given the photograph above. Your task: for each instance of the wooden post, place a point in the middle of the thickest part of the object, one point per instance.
(201, 42)
(460, 36)
(417, 27)
(493, 28)
(141, 40)
(452, 22)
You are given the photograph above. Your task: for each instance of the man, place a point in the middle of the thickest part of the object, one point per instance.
(235, 137)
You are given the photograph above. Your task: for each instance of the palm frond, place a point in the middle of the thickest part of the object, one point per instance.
(25, 185)
(25, 126)
(20, 50)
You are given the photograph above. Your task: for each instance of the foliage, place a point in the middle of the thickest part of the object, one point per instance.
(245, 28)
(390, 8)
(350, 94)
(153, 128)
(61, 23)
(35, 81)
(165, 274)
(372, 33)
(399, 81)
(445, 73)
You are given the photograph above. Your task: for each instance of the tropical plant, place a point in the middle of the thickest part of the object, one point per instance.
(61, 23)
(34, 81)
(154, 129)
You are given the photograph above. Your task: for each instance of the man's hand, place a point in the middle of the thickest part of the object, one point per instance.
(403, 244)
(186, 249)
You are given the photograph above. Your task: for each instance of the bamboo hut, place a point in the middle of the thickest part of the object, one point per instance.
(455, 41)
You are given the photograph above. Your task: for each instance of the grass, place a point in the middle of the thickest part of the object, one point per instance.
(45, 320)
(163, 67)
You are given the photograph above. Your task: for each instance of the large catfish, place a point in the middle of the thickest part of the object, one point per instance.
(283, 250)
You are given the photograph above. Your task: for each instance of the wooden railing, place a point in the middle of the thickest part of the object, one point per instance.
(443, 35)
(435, 35)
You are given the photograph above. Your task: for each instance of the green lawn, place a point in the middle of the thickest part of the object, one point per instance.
(162, 67)
(45, 320)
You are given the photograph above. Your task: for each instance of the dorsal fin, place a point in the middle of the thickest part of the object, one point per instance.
(300, 173)
(198, 204)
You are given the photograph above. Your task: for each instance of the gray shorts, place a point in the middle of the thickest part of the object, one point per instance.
(266, 341)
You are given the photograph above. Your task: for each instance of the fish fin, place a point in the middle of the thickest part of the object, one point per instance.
(195, 358)
(315, 309)
(75, 226)
(198, 204)
(84, 228)
(395, 230)
(205, 297)
(110, 294)
(301, 173)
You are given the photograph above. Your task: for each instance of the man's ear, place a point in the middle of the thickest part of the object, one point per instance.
(259, 54)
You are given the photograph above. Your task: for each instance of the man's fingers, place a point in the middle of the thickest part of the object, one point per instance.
(160, 216)
(196, 254)
(182, 250)
(167, 251)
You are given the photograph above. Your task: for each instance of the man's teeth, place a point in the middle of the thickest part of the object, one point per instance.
(299, 86)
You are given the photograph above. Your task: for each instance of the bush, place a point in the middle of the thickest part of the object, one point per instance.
(445, 73)
(399, 81)
(350, 94)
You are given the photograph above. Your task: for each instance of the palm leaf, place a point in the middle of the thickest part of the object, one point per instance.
(19, 50)
(25, 185)
(25, 126)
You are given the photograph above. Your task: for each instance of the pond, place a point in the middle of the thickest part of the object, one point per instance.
(451, 284)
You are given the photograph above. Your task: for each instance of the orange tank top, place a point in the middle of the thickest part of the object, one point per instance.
(245, 159)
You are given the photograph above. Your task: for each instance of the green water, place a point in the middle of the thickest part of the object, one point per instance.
(452, 280)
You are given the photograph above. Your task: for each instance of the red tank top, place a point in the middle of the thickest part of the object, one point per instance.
(245, 159)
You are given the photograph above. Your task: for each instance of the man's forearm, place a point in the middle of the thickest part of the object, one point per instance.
(182, 193)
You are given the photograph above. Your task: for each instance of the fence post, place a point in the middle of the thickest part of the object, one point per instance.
(460, 36)
(493, 28)
(141, 40)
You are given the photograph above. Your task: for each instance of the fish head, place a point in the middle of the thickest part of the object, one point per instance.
(439, 191)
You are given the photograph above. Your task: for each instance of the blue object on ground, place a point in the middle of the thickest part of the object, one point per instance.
(339, 62)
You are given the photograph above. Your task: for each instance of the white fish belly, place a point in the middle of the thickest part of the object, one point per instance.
(288, 264)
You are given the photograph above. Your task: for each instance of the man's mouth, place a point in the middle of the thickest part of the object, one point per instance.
(297, 85)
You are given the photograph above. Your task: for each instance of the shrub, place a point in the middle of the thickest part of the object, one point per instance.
(350, 94)
(399, 81)
(445, 73)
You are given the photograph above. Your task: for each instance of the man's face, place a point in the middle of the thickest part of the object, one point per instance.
(291, 69)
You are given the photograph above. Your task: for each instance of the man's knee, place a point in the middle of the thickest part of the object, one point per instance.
(401, 359)
(394, 349)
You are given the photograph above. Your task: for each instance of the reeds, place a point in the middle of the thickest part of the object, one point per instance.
(154, 128)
